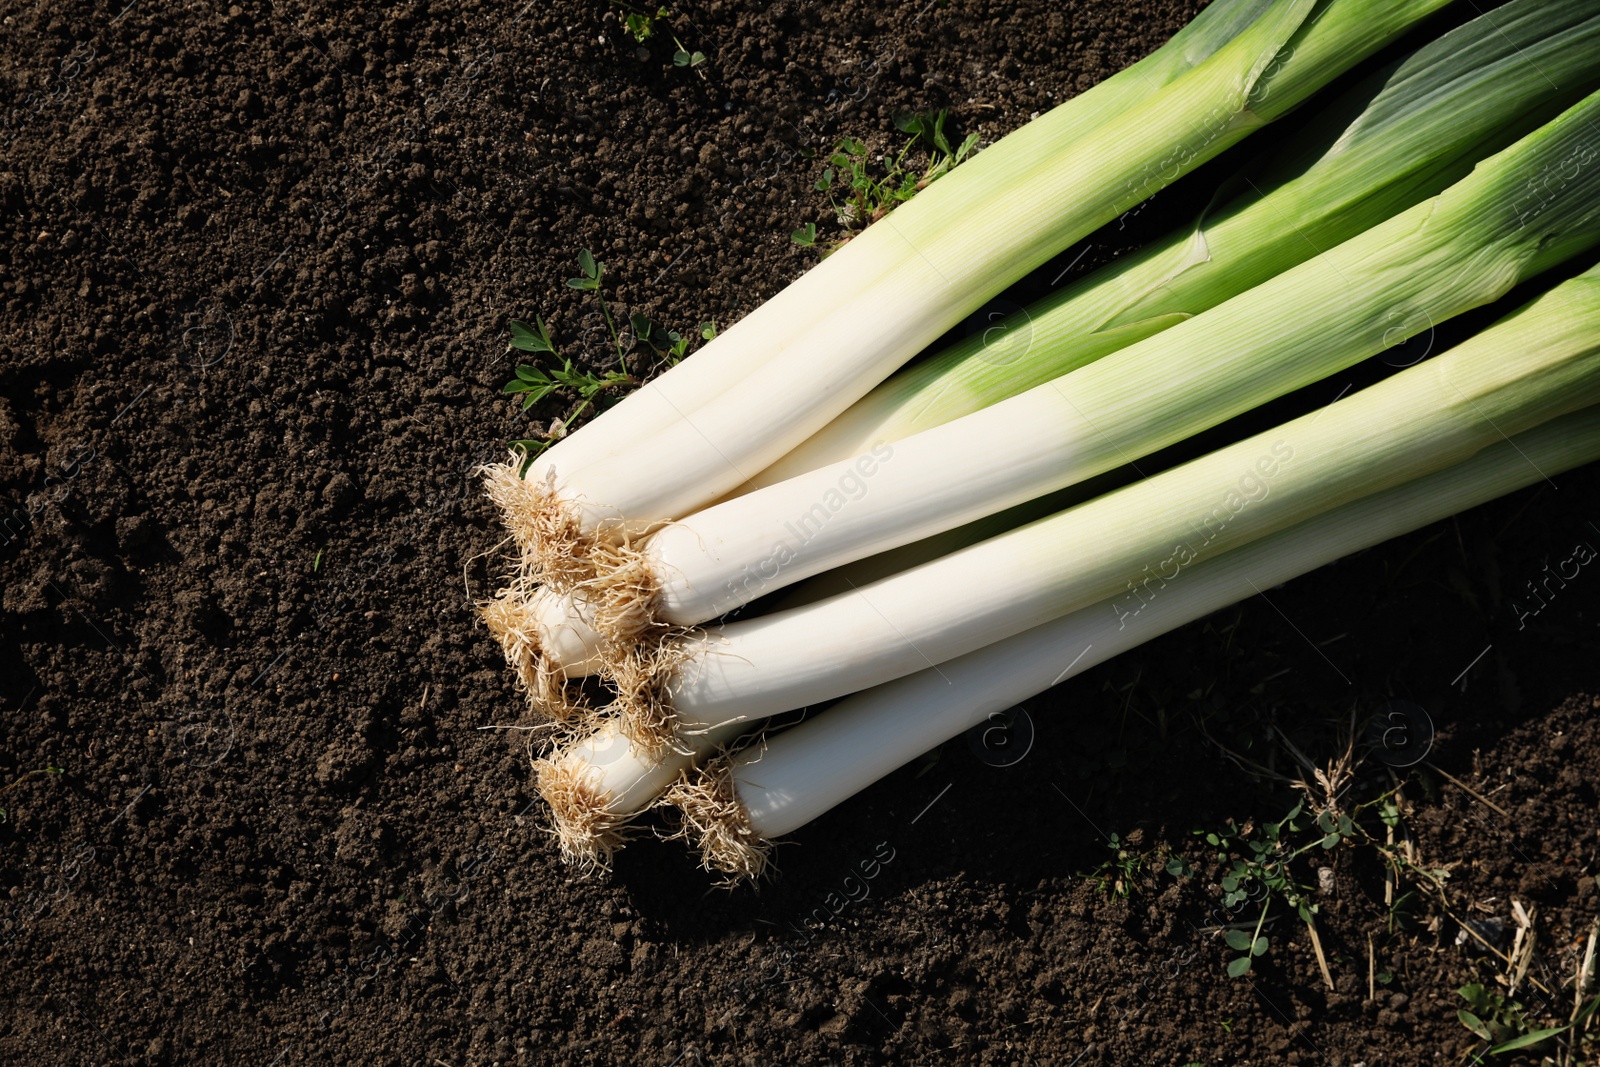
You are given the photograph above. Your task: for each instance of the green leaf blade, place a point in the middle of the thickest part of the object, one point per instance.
(1473, 1023)
(1537, 1037)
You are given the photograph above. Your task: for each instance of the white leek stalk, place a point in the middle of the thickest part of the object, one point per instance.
(739, 805)
(597, 785)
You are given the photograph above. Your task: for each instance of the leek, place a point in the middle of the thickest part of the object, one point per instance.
(1402, 134)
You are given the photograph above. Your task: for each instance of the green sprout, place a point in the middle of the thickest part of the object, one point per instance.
(643, 26)
(553, 373)
(1504, 1023)
(860, 197)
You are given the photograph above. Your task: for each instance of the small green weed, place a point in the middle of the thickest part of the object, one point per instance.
(47, 769)
(1403, 913)
(860, 197)
(1259, 871)
(1118, 876)
(1491, 1015)
(644, 26)
(1265, 872)
(534, 383)
(37, 772)
(1504, 1023)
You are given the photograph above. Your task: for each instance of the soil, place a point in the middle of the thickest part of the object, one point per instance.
(260, 262)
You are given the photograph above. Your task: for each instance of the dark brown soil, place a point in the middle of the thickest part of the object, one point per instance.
(259, 264)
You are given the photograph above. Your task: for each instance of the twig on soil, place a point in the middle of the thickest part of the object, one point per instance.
(1522, 944)
(1372, 971)
(1467, 789)
(1322, 961)
(1586, 973)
